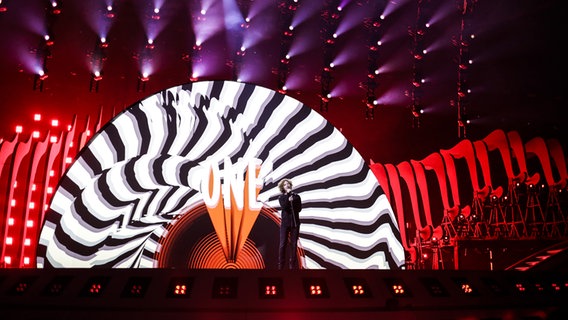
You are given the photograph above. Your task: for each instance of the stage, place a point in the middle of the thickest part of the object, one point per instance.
(279, 294)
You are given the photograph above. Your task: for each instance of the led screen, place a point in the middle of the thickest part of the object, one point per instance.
(188, 177)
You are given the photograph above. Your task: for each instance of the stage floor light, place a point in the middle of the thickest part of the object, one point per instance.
(180, 288)
(136, 287)
(225, 287)
(315, 288)
(271, 288)
(95, 286)
(358, 288)
(397, 287)
(56, 286)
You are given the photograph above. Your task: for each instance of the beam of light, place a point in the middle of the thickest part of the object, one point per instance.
(35, 20)
(206, 25)
(233, 20)
(257, 7)
(392, 96)
(261, 24)
(306, 11)
(341, 88)
(152, 27)
(303, 43)
(347, 55)
(100, 24)
(146, 69)
(233, 16)
(393, 6)
(351, 19)
(159, 4)
(297, 80)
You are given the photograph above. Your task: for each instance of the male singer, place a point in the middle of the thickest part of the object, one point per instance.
(291, 205)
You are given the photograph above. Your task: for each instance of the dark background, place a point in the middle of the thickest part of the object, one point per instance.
(517, 78)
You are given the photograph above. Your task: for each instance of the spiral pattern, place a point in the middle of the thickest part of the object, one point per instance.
(142, 170)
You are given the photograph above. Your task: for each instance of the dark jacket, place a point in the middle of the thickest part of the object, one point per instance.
(288, 208)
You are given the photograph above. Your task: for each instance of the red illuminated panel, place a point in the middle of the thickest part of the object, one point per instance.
(397, 287)
(22, 286)
(95, 287)
(225, 287)
(315, 288)
(57, 286)
(180, 288)
(136, 287)
(270, 288)
(465, 286)
(358, 287)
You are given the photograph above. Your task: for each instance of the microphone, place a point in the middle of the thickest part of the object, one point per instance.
(290, 195)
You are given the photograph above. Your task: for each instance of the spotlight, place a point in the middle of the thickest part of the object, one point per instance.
(109, 13)
(271, 288)
(463, 121)
(358, 288)
(95, 287)
(150, 44)
(54, 7)
(465, 286)
(39, 78)
(142, 79)
(180, 287)
(156, 14)
(48, 40)
(96, 77)
(446, 239)
(371, 101)
(315, 288)
(397, 287)
(417, 111)
(42, 75)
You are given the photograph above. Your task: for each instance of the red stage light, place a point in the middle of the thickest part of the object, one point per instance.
(180, 288)
(358, 287)
(315, 288)
(271, 288)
